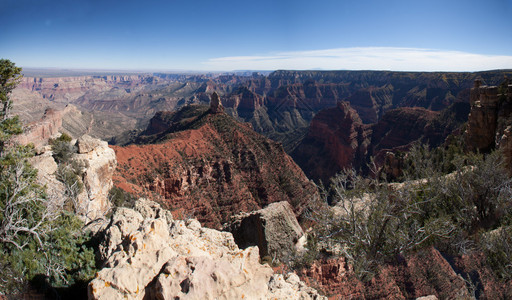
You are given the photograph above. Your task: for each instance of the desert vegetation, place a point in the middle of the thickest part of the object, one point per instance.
(39, 240)
(456, 202)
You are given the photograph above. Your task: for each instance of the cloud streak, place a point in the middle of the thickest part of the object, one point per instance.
(365, 58)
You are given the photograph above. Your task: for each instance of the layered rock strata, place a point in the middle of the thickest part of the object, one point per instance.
(210, 166)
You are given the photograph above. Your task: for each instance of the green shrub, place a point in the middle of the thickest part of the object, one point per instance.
(63, 150)
(118, 197)
(62, 257)
(35, 239)
(497, 246)
(376, 222)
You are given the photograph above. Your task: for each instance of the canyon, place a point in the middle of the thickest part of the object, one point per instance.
(280, 105)
(244, 164)
(205, 163)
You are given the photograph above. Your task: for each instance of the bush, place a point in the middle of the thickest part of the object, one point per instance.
(62, 257)
(497, 246)
(35, 238)
(118, 197)
(376, 222)
(62, 149)
(71, 176)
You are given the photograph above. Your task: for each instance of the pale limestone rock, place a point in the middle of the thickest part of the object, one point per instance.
(46, 168)
(100, 163)
(98, 167)
(290, 286)
(155, 257)
(430, 297)
(150, 209)
(274, 230)
(86, 144)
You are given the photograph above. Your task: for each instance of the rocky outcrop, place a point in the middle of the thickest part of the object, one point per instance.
(337, 138)
(212, 167)
(490, 121)
(38, 133)
(99, 163)
(215, 104)
(148, 255)
(483, 119)
(491, 110)
(426, 273)
(274, 229)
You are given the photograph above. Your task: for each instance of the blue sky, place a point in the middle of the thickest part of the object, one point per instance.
(434, 35)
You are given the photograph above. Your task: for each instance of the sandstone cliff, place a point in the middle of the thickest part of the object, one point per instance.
(490, 120)
(282, 104)
(148, 255)
(98, 163)
(210, 166)
(274, 229)
(39, 132)
(111, 104)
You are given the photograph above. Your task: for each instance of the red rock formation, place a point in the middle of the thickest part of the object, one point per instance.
(215, 168)
(490, 120)
(336, 139)
(483, 118)
(424, 273)
(482, 277)
(400, 127)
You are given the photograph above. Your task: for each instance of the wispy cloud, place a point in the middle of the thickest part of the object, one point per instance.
(366, 58)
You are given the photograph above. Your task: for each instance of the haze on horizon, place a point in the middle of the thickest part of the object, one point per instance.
(399, 35)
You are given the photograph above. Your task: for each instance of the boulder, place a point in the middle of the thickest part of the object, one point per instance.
(86, 144)
(148, 255)
(274, 230)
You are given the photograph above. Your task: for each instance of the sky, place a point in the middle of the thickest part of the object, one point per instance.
(165, 35)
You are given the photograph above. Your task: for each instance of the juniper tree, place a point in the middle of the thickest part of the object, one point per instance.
(36, 236)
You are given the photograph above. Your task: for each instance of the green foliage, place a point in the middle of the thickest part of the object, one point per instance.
(62, 149)
(70, 175)
(62, 256)
(35, 238)
(21, 206)
(497, 246)
(10, 76)
(118, 197)
(376, 222)
(64, 137)
(69, 171)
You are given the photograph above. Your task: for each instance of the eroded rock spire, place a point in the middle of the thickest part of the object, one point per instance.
(215, 104)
